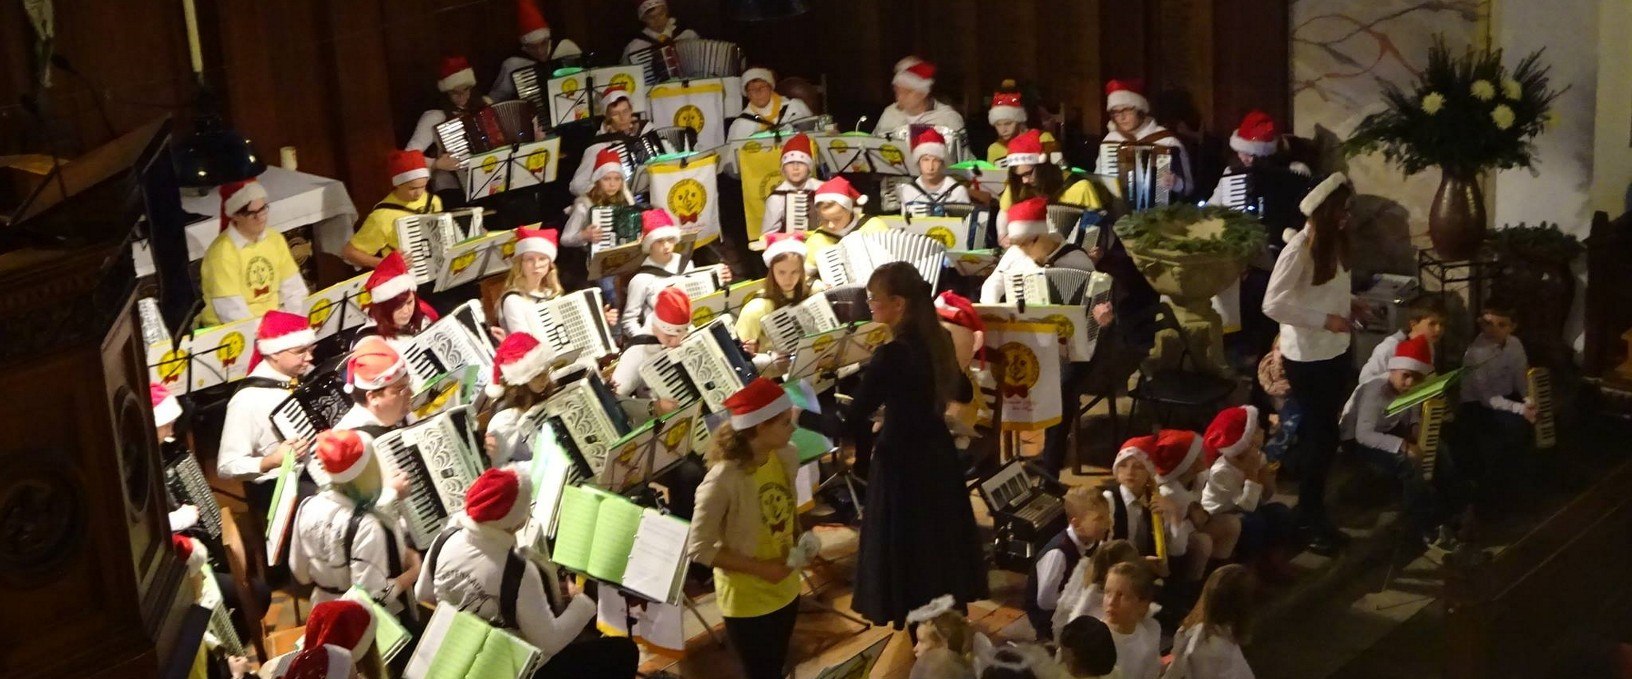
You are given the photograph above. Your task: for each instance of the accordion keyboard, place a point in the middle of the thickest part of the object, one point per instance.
(186, 482)
(1541, 392)
(422, 509)
(1429, 430)
(1040, 510)
(667, 378)
(798, 213)
(1235, 191)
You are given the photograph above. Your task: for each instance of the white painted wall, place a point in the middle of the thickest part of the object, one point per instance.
(1612, 142)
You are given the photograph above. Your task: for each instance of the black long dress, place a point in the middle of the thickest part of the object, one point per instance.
(918, 534)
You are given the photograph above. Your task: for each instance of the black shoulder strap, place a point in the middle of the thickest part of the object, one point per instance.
(638, 340)
(393, 561)
(1119, 515)
(510, 588)
(655, 270)
(388, 205)
(436, 549)
(1059, 254)
(262, 383)
(374, 430)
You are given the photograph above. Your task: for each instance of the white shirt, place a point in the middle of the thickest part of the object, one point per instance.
(582, 178)
(938, 114)
(504, 87)
(1080, 601)
(517, 312)
(317, 552)
(359, 416)
(1229, 490)
(1138, 655)
(780, 111)
(578, 219)
(946, 192)
(1050, 568)
(469, 573)
(1500, 372)
(641, 293)
(1197, 655)
(1181, 176)
(1301, 307)
(776, 205)
(627, 374)
(246, 432)
(648, 38)
(1015, 260)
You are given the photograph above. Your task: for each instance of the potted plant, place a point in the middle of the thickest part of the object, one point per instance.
(1465, 115)
(1533, 274)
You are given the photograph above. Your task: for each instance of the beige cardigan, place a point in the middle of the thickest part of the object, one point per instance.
(727, 512)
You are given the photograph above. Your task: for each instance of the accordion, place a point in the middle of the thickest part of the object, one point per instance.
(785, 326)
(1057, 286)
(314, 406)
(1138, 168)
(487, 128)
(1028, 512)
(586, 411)
(659, 62)
(1238, 193)
(441, 458)
(854, 259)
(698, 282)
(619, 225)
(700, 58)
(799, 205)
(1540, 381)
(452, 342)
(184, 481)
(574, 323)
(709, 365)
(423, 238)
(1430, 427)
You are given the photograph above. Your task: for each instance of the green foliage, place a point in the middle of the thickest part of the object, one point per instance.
(1542, 241)
(1167, 228)
(1465, 114)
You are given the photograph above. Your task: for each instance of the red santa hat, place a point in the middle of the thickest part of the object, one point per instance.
(671, 313)
(1138, 449)
(406, 166)
(189, 551)
(607, 161)
(778, 243)
(958, 310)
(281, 331)
(655, 225)
(838, 190)
(1177, 452)
(165, 407)
(455, 73)
(613, 95)
(390, 278)
(929, 142)
(919, 77)
(1321, 192)
(236, 196)
(1256, 135)
(322, 662)
(519, 359)
(341, 623)
(1231, 432)
(1028, 218)
(1414, 354)
(757, 403)
(499, 496)
(758, 73)
(645, 6)
(907, 62)
(542, 241)
(1006, 106)
(344, 454)
(531, 22)
(797, 150)
(374, 365)
(1025, 148)
(1126, 94)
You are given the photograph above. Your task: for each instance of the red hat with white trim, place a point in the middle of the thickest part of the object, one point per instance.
(1321, 192)
(797, 149)
(341, 623)
(344, 454)
(645, 6)
(374, 365)
(519, 359)
(499, 496)
(655, 225)
(613, 95)
(1256, 136)
(778, 243)
(1025, 148)
(1231, 432)
(541, 241)
(280, 331)
(919, 77)
(531, 22)
(321, 662)
(165, 407)
(236, 196)
(1138, 449)
(958, 310)
(1006, 106)
(189, 551)
(1177, 452)
(607, 161)
(1129, 93)
(929, 142)
(390, 278)
(907, 62)
(454, 74)
(1029, 218)
(671, 313)
(1414, 354)
(757, 403)
(406, 166)
(838, 190)
(758, 73)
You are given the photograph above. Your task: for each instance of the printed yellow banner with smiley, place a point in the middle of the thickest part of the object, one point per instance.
(689, 190)
(697, 104)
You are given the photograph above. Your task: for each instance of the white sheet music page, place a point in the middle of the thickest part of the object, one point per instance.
(657, 556)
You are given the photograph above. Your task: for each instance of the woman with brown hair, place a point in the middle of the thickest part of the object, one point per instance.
(1309, 296)
(916, 501)
(395, 311)
(786, 285)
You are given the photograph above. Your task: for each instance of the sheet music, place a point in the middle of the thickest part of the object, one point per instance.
(658, 557)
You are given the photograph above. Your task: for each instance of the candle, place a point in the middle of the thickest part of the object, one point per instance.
(192, 35)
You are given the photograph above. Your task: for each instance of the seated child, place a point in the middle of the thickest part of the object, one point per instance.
(1496, 412)
(1241, 481)
(1088, 522)
(1130, 590)
(1181, 472)
(1132, 499)
(946, 641)
(1424, 317)
(1208, 644)
(1084, 594)
(1087, 650)
(1272, 378)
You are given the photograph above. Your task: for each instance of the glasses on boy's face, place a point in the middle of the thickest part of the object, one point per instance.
(256, 214)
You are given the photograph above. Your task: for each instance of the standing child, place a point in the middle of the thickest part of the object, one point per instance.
(1208, 644)
(1130, 591)
(1425, 317)
(1497, 411)
(1240, 482)
(1088, 523)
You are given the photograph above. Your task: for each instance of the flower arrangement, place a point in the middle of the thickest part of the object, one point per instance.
(1189, 229)
(1465, 114)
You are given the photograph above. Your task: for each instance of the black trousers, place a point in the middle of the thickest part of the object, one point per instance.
(762, 642)
(610, 657)
(1321, 387)
(1073, 382)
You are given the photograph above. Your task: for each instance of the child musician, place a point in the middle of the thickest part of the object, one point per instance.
(838, 205)
(339, 642)
(410, 195)
(913, 104)
(1032, 175)
(609, 188)
(1130, 593)
(658, 238)
(620, 125)
(1179, 467)
(1385, 441)
(457, 83)
(1133, 498)
(931, 190)
(248, 269)
(536, 48)
(664, 328)
(1008, 118)
(788, 285)
(1240, 483)
(656, 28)
(533, 278)
(521, 380)
(395, 312)
(1424, 317)
(1088, 524)
(798, 174)
(342, 539)
(1131, 123)
(381, 392)
(1497, 411)
(765, 110)
(250, 449)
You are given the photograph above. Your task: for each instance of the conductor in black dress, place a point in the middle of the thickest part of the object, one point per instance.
(918, 534)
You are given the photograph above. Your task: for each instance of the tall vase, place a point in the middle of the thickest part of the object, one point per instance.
(1456, 222)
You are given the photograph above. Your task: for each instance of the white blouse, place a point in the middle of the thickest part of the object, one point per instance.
(1301, 307)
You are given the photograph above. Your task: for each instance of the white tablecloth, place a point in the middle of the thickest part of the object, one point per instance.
(298, 199)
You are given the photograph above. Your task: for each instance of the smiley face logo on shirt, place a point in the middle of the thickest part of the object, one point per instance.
(776, 507)
(259, 275)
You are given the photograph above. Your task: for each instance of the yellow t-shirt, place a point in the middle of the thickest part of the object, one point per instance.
(999, 150)
(233, 267)
(378, 234)
(746, 596)
(1080, 194)
(817, 240)
(748, 323)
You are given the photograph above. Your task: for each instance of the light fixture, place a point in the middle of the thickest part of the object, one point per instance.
(214, 153)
